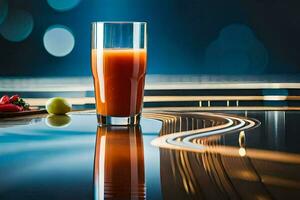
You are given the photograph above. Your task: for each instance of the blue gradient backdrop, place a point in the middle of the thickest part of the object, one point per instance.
(185, 36)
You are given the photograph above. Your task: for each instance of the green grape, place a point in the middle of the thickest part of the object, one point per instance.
(58, 106)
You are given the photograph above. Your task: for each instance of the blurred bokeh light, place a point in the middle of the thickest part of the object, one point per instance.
(58, 40)
(17, 26)
(3, 10)
(63, 5)
(237, 50)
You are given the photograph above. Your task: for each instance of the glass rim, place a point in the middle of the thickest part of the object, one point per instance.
(118, 22)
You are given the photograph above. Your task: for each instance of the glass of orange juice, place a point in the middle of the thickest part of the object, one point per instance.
(119, 62)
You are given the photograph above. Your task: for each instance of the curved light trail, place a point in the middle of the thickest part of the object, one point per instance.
(185, 140)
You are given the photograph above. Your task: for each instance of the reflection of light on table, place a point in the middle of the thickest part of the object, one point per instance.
(242, 151)
(169, 140)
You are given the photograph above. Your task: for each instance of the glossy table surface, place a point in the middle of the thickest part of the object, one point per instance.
(171, 155)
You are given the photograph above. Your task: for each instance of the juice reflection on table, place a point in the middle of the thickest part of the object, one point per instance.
(119, 163)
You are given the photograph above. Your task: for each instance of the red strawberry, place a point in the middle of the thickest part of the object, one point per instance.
(14, 98)
(4, 100)
(10, 108)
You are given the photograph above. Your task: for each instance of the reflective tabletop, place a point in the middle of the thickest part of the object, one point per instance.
(171, 155)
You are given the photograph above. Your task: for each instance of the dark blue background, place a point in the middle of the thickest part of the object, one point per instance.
(185, 36)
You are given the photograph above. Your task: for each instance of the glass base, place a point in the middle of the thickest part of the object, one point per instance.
(118, 121)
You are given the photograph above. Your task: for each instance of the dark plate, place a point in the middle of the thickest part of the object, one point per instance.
(22, 113)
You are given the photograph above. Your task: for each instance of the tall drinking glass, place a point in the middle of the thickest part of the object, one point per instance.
(119, 61)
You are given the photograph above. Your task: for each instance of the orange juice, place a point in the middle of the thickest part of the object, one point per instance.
(119, 78)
